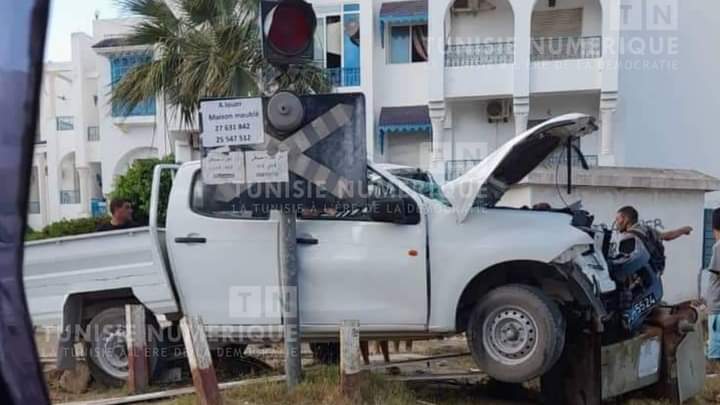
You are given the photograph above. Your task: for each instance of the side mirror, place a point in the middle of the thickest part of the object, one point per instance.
(401, 211)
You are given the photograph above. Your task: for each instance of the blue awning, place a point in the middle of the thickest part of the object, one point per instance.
(403, 13)
(409, 119)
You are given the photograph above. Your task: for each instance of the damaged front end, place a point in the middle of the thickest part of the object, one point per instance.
(624, 287)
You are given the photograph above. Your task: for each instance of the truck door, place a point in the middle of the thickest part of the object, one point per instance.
(353, 268)
(224, 261)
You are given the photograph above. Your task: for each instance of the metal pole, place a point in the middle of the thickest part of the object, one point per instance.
(290, 296)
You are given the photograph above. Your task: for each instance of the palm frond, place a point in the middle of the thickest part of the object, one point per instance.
(209, 48)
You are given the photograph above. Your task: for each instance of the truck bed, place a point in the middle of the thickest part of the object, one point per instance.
(56, 268)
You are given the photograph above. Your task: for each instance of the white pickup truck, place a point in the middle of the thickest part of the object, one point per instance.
(419, 268)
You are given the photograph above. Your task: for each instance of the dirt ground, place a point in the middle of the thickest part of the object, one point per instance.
(321, 383)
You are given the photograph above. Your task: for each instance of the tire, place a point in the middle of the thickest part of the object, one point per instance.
(326, 353)
(516, 333)
(107, 350)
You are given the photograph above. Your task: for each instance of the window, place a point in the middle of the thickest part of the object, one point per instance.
(120, 65)
(65, 123)
(93, 134)
(337, 44)
(224, 201)
(408, 44)
(378, 188)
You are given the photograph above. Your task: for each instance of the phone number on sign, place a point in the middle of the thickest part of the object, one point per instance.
(232, 127)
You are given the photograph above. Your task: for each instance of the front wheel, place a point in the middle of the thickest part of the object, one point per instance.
(516, 333)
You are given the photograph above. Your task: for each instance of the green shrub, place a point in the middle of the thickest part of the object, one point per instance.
(136, 184)
(66, 227)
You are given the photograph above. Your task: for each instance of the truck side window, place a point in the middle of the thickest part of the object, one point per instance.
(223, 201)
(378, 187)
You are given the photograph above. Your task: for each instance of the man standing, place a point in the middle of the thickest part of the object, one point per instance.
(121, 211)
(631, 231)
(712, 294)
(627, 219)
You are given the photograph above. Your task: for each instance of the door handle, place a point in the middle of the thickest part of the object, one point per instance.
(307, 240)
(191, 239)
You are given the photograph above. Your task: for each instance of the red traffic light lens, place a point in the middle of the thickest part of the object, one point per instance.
(291, 29)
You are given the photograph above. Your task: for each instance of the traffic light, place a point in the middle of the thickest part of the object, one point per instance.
(288, 31)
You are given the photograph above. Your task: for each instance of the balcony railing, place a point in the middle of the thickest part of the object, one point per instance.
(479, 54)
(69, 197)
(456, 168)
(560, 158)
(343, 77)
(547, 49)
(93, 134)
(34, 207)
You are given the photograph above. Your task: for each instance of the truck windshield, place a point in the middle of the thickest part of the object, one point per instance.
(422, 183)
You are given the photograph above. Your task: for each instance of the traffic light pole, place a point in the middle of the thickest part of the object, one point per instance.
(290, 295)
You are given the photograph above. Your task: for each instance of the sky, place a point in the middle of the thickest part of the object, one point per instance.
(68, 16)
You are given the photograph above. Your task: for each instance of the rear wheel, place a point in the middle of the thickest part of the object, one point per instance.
(107, 347)
(326, 353)
(516, 333)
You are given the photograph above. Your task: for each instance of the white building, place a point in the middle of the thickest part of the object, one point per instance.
(445, 81)
(448, 81)
(83, 142)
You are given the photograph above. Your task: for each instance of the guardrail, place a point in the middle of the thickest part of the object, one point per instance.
(69, 197)
(343, 77)
(561, 48)
(479, 54)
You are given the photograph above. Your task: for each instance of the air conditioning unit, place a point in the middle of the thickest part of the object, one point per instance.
(498, 110)
(472, 6)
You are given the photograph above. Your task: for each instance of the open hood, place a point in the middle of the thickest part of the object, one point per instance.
(513, 161)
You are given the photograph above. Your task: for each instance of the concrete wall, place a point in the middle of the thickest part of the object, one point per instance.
(473, 135)
(543, 107)
(488, 26)
(668, 97)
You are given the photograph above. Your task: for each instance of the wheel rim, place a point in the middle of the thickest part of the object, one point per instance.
(509, 335)
(110, 351)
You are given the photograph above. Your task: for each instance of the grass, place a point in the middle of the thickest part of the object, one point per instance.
(320, 386)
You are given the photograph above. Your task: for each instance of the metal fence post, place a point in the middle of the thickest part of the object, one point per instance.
(290, 295)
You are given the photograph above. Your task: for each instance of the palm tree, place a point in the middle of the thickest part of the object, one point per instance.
(203, 48)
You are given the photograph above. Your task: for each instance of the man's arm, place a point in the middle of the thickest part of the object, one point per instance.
(675, 233)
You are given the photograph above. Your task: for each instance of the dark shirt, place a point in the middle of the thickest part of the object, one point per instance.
(110, 227)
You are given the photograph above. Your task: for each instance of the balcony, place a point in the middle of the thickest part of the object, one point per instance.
(566, 64)
(343, 77)
(34, 207)
(564, 48)
(68, 197)
(479, 54)
(479, 69)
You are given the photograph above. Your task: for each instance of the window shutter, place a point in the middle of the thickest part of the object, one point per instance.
(557, 23)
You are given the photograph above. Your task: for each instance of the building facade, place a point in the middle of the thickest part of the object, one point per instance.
(445, 81)
(83, 141)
